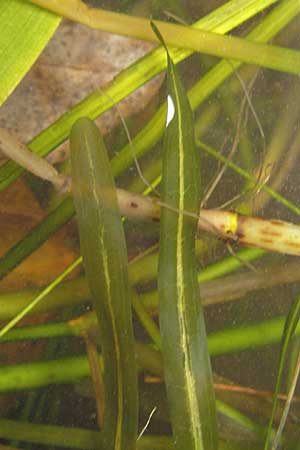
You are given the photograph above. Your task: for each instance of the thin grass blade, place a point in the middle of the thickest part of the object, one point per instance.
(228, 47)
(228, 16)
(290, 326)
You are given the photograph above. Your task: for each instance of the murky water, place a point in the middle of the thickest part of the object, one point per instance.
(252, 119)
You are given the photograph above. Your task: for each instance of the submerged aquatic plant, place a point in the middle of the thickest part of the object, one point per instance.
(184, 344)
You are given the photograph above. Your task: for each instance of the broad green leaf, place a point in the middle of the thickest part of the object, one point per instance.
(25, 30)
(187, 367)
(103, 248)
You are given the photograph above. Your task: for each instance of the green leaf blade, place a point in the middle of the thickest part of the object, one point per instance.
(186, 360)
(289, 329)
(104, 254)
(24, 32)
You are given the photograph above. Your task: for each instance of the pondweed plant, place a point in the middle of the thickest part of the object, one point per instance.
(184, 364)
(187, 369)
(103, 247)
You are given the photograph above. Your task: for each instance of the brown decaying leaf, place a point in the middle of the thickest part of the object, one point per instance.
(76, 62)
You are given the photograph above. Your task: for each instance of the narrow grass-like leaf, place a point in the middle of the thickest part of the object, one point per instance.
(288, 333)
(288, 404)
(36, 237)
(229, 47)
(247, 176)
(152, 132)
(221, 20)
(104, 254)
(72, 437)
(38, 298)
(222, 342)
(25, 30)
(186, 360)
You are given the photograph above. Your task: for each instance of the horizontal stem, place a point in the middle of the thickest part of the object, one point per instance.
(227, 47)
(213, 291)
(272, 235)
(222, 20)
(14, 149)
(231, 340)
(65, 370)
(49, 435)
(52, 436)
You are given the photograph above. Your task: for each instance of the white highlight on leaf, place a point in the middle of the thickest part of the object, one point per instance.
(147, 423)
(170, 110)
